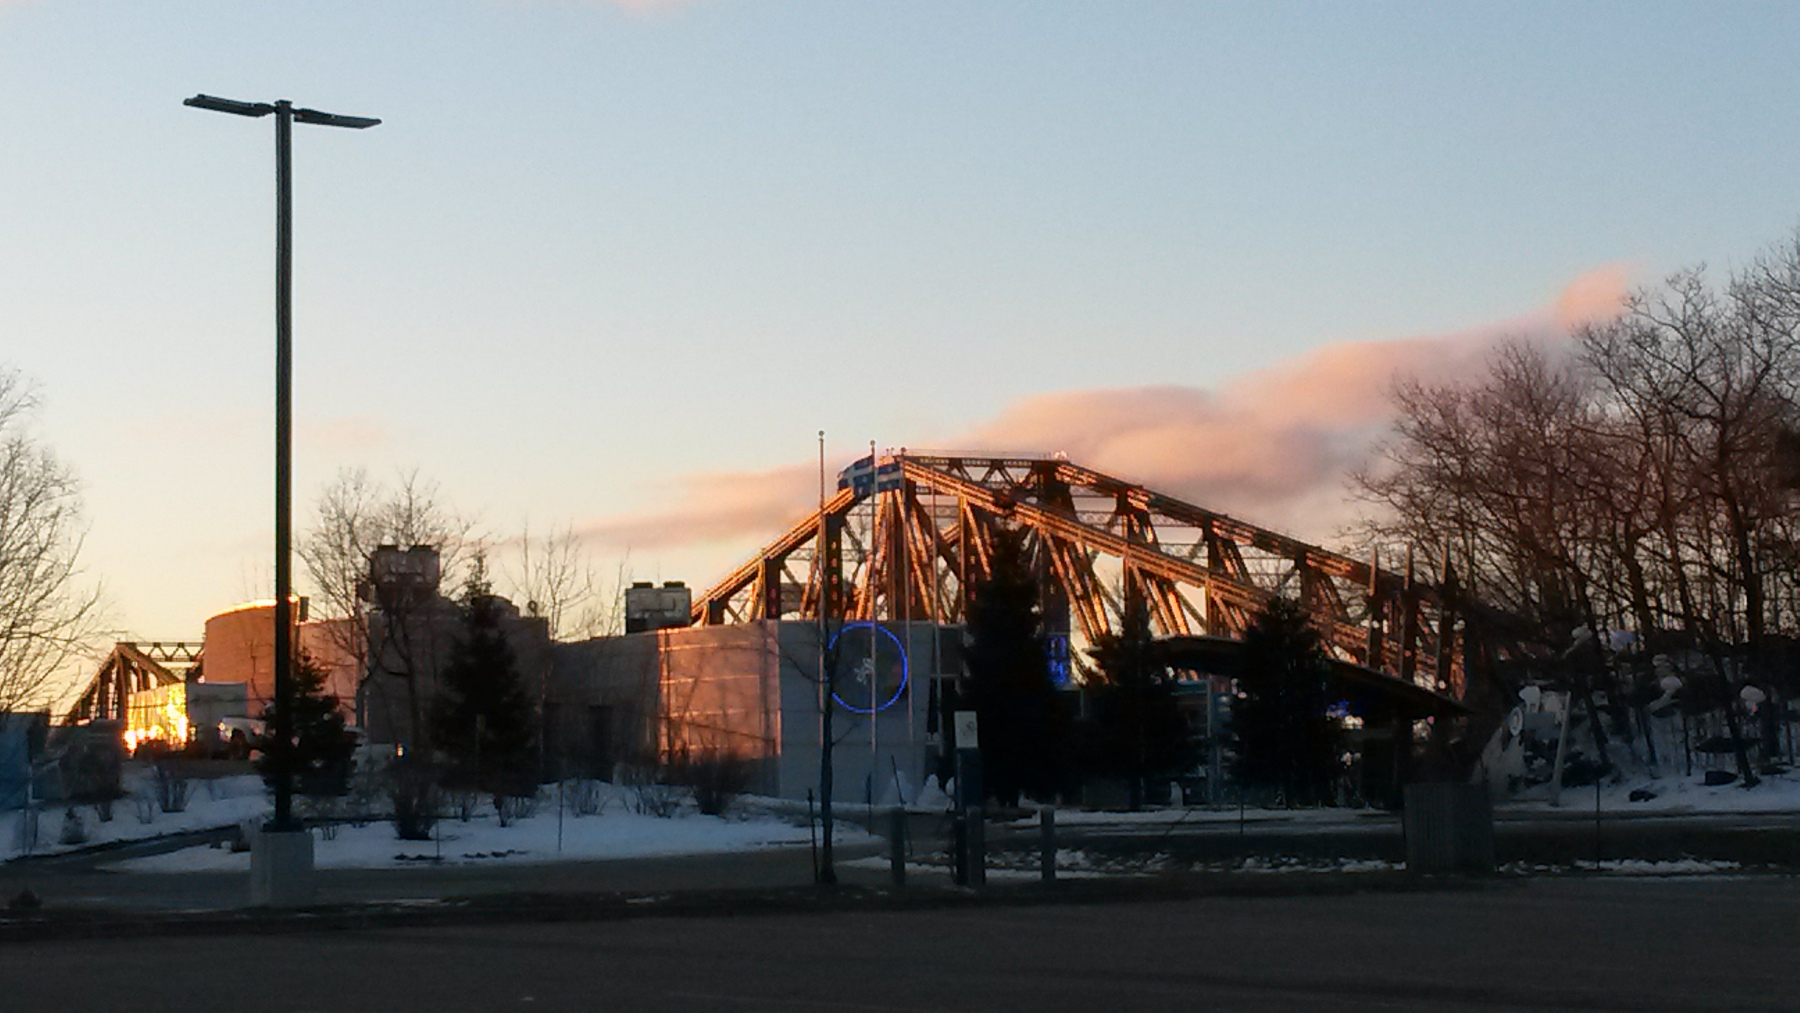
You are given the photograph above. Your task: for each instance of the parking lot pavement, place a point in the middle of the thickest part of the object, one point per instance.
(1538, 945)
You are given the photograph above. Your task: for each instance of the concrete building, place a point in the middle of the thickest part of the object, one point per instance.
(751, 691)
(382, 664)
(239, 649)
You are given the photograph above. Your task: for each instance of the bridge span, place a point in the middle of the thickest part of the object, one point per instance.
(908, 537)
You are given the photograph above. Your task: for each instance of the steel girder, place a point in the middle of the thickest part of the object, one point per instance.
(132, 667)
(917, 551)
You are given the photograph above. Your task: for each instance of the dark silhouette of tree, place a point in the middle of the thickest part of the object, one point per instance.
(46, 616)
(1009, 678)
(322, 746)
(1138, 732)
(390, 633)
(1641, 480)
(1282, 735)
(482, 716)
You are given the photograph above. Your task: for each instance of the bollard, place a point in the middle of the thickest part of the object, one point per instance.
(959, 848)
(1047, 843)
(897, 845)
(977, 831)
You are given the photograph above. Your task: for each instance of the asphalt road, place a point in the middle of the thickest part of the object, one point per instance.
(80, 885)
(1565, 837)
(1711, 944)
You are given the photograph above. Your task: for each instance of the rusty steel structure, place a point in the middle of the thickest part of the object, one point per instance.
(914, 544)
(133, 667)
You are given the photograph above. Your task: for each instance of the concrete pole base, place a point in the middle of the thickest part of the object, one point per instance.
(281, 868)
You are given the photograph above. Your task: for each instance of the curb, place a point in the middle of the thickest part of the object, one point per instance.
(517, 908)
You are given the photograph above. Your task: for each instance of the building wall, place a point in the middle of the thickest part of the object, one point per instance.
(602, 704)
(889, 763)
(240, 648)
(407, 650)
(747, 690)
(719, 696)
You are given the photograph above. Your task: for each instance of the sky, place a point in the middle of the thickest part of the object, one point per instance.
(614, 265)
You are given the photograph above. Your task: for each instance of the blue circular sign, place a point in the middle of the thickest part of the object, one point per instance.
(874, 677)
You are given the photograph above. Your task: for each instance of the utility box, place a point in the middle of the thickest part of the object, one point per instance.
(1449, 828)
(281, 868)
(648, 607)
(22, 738)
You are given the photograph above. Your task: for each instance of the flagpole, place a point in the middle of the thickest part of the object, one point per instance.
(912, 741)
(825, 872)
(874, 623)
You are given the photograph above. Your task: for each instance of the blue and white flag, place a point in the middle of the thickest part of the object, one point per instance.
(864, 477)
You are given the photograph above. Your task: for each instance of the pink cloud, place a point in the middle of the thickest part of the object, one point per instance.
(717, 507)
(1273, 446)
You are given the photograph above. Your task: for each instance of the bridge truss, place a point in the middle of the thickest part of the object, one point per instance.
(917, 548)
(132, 667)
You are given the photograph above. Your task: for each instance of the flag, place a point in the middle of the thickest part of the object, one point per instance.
(864, 477)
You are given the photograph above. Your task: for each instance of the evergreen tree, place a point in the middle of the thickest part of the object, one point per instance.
(482, 716)
(322, 746)
(1138, 731)
(1022, 724)
(1282, 735)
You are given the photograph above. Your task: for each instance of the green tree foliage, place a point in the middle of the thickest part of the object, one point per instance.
(322, 746)
(1022, 721)
(1138, 732)
(482, 717)
(1283, 738)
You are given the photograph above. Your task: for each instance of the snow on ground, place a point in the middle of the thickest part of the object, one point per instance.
(1675, 794)
(615, 831)
(210, 803)
(482, 841)
(619, 832)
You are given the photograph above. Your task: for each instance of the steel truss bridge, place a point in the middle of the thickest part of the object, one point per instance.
(133, 667)
(914, 543)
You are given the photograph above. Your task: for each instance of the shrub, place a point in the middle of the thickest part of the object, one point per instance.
(413, 792)
(74, 830)
(171, 790)
(515, 807)
(582, 796)
(716, 780)
(649, 793)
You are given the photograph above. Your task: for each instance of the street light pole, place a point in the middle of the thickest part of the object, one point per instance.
(284, 463)
(282, 740)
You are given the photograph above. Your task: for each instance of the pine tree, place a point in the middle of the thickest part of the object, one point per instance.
(1139, 733)
(1283, 737)
(1022, 725)
(482, 716)
(322, 746)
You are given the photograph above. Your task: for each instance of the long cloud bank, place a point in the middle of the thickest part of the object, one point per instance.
(1274, 446)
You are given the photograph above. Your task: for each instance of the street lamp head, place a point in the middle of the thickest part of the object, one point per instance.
(225, 105)
(333, 119)
(254, 109)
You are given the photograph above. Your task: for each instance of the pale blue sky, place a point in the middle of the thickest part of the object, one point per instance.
(594, 249)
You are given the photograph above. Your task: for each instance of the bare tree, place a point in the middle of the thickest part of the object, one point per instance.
(1640, 483)
(822, 665)
(553, 577)
(355, 516)
(46, 616)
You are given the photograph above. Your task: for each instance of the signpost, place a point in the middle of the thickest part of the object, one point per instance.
(972, 850)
